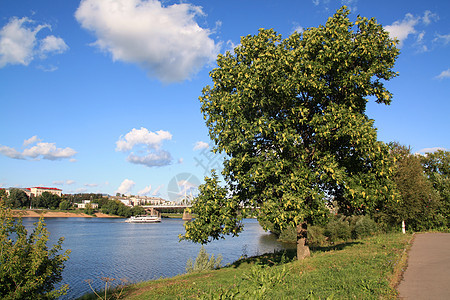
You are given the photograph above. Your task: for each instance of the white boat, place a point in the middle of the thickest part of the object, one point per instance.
(144, 219)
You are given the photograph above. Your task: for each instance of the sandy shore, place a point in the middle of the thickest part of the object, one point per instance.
(56, 214)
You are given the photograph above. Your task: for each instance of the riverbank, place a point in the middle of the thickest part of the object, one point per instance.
(56, 214)
(362, 269)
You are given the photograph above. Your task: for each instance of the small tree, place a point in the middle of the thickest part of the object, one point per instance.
(203, 262)
(65, 205)
(28, 269)
(290, 116)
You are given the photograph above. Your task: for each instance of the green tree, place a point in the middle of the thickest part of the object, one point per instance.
(418, 203)
(17, 198)
(290, 115)
(437, 169)
(89, 209)
(65, 205)
(138, 210)
(28, 269)
(49, 200)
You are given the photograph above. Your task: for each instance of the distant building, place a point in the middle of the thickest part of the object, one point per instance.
(86, 202)
(38, 190)
(126, 202)
(139, 200)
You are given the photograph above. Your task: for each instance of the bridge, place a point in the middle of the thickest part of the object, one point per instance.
(158, 208)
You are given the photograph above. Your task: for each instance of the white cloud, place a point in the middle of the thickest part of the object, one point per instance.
(428, 17)
(401, 29)
(145, 191)
(156, 191)
(48, 151)
(154, 159)
(11, 152)
(40, 150)
(62, 182)
(163, 40)
(152, 155)
(52, 44)
(126, 186)
(142, 136)
(430, 150)
(19, 42)
(351, 4)
(444, 74)
(445, 38)
(31, 140)
(200, 145)
(81, 190)
(91, 184)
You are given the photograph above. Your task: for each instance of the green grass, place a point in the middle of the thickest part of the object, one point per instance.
(361, 269)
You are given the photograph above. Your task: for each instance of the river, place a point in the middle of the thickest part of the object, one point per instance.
(104, 247)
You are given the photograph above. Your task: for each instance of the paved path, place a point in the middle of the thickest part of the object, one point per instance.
(428, 273)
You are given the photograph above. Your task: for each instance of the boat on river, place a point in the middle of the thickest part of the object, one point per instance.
(144, 219)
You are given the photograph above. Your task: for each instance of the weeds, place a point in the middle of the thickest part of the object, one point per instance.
(203, 262)
(113, 292)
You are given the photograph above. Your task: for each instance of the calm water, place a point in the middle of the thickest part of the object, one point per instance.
(112, 248)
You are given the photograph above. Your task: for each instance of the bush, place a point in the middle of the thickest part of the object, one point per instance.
(65, 205)
(203, 262)
(28, 270)
(338, 230)
(364, 227)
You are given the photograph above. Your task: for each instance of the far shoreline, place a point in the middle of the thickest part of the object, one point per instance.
(35, 213)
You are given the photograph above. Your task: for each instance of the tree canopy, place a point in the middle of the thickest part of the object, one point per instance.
(290, 115)
(17, 198)
(437, 169)
(418, 203)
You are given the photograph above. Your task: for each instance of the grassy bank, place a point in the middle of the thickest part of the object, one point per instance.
(362, 269)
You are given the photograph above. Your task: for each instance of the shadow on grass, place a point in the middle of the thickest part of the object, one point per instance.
(283, 256)
(269, 259)
(335, 247)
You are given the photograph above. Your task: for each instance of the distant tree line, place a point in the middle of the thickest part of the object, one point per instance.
(19, 199)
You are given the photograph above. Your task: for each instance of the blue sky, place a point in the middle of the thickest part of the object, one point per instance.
(102, 96)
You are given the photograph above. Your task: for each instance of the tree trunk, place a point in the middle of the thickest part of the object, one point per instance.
(302, 246)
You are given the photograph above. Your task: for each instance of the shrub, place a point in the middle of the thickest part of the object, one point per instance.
(65, 205)
(203, 262)
(337, 230)
(364, 227)
(28, 270)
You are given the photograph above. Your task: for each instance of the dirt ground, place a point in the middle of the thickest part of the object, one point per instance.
(55, 214)
(427, 275)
